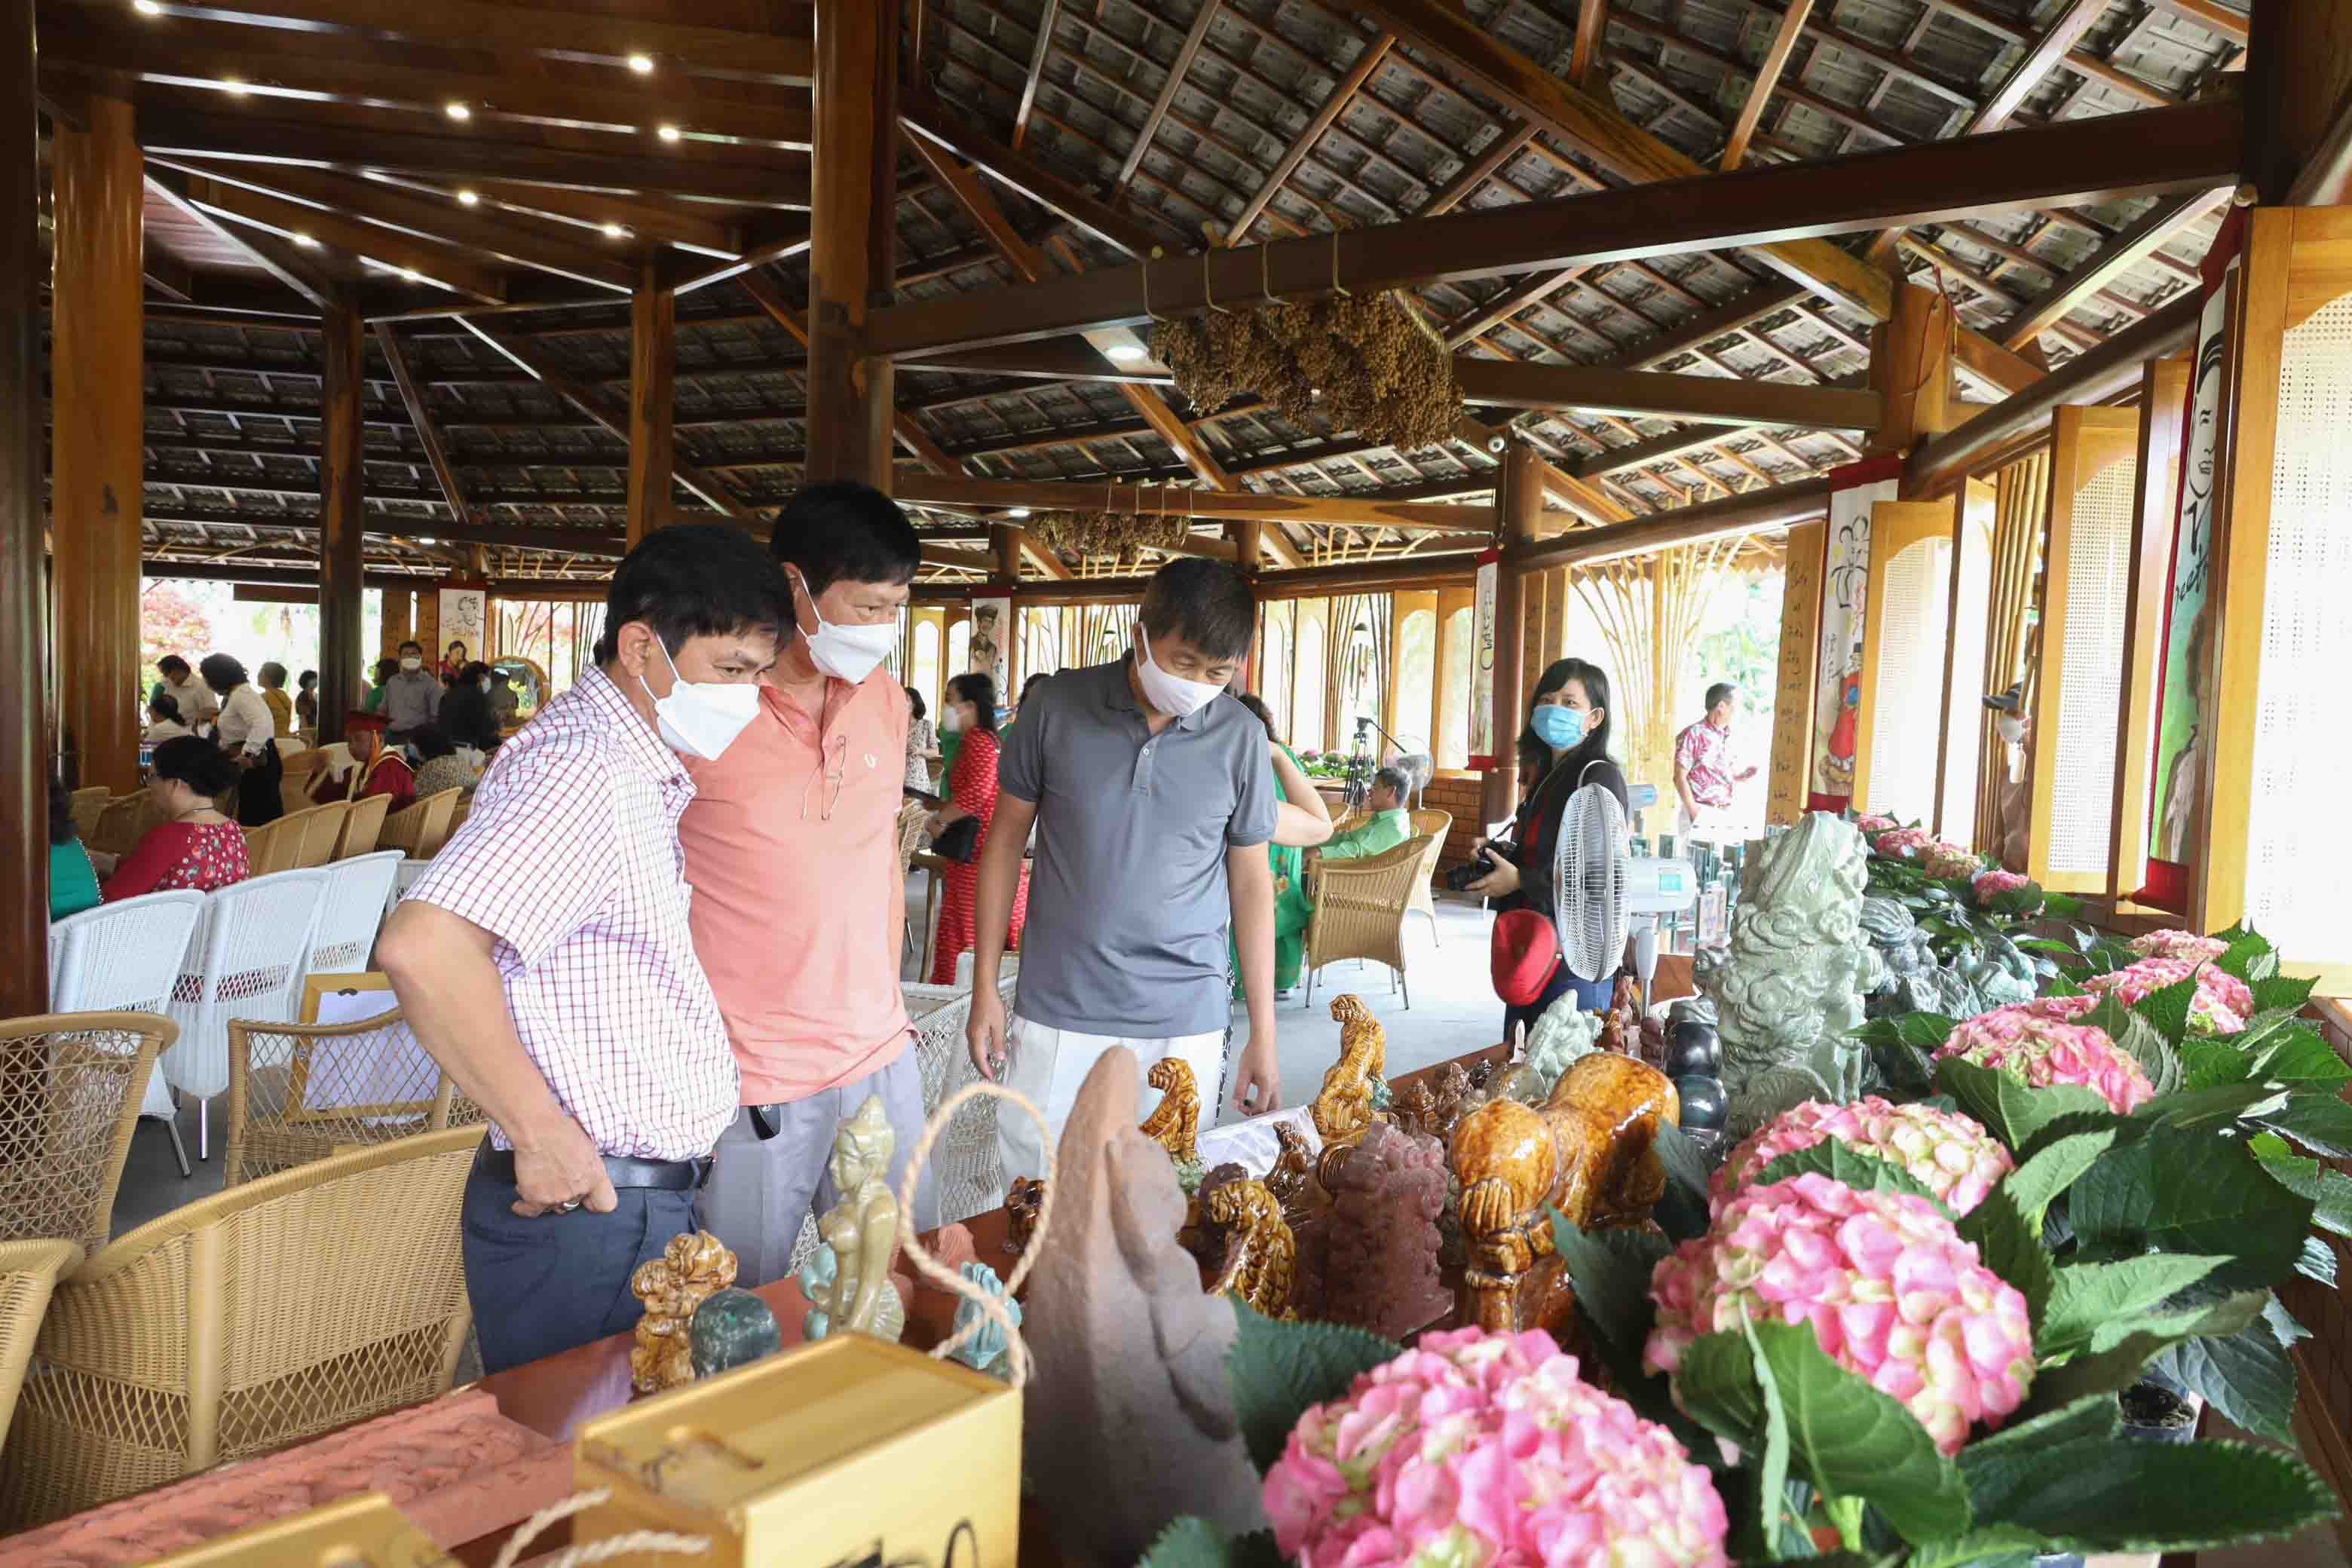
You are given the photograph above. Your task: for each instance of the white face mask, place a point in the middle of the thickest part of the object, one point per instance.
(484, 684)
(849, 653)
(702, 718)
(2011, 728)
(949, 720)
(1170, 693)
(412, 663)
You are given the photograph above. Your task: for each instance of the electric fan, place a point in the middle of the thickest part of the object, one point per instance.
(1607, 896)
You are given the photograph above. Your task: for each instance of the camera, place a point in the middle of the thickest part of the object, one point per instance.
(1458, 879)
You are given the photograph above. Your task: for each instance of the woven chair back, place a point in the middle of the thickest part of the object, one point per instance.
(412, 827)
(86, 805)
(1359, 907)
(245, 962)
(300, 1092)
(1433, 826)
(275, 847)
(362, 827)
(910, 834)
(245, 1323)
(322, 826)
(351, 912)
(300, 770)
(70, 1089)
(123, 956)
(29, 1273)
(440, 815)
(125, 821)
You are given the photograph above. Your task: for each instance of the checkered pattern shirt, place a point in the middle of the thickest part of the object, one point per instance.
(570, 859)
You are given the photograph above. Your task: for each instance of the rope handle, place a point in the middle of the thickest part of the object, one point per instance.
(992, 1306)
(585, 1552)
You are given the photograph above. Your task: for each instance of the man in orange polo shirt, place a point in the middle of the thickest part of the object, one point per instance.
(792, 849)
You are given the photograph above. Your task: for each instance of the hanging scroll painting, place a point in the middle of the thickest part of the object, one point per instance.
(1846, 583)
(991, 644)
(1483, 727)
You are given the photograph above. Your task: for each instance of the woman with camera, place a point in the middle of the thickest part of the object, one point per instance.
(1569, 724)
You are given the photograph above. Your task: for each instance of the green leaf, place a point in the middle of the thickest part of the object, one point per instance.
(2085, 1296)
(1193, 1543)
(2008, 1108)
(2019, 902)
(2166, 1009)
(1277, 1370)
(2178, 1190)
(2279, 990)
(2139, 1039)
(1857, 1169)
(1611, 1270)
(2060, 906)
(2011, 1246)
(2207, 1060)
(2117, 1495)
(2330, 1192)
(2249, 956)
(2035, 1185)
(2214, 1106)
(2247, 1376)
(1772, 1465)
(2292, 1051)
(2121, 1361)
(1682, 1213)
(2317, 1262)
(2044, 944)
(1849, 1439)
(2320, 1121)
(2092, 1415)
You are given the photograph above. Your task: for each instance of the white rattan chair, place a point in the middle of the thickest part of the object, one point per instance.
(351, 912)
(245, 962)
(125, 958)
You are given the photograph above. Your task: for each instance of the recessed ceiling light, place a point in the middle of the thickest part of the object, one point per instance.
(614, 231)
(642, 64)
(306, 242)
(233, 87)
(428, 541)
(408, 275)
(147, 7)
(457, 110)
(1125, 354)
(466, 198)
(1016, 512)
(667, 132)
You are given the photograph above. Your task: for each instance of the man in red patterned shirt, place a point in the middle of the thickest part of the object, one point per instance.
(546, 960)
(1703, 764)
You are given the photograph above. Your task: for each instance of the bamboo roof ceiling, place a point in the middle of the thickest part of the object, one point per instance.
(494, 255)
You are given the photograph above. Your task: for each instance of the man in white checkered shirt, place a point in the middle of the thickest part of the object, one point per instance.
(546, 960)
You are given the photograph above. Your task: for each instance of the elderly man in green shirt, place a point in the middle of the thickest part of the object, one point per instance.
(1391, 824)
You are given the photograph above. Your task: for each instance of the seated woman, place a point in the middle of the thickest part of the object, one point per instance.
(465, 718)
(443, 767)
(73, 883)
(164, 719)
(195, 846)
(375, 769)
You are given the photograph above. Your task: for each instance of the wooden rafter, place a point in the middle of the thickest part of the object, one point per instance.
(1767, 78)
(1008, 166)
(1367, 60)
(1653, 394)
(279, 258)
(1591, 22)
(1185, 54)
(1039, 48)
(2164, 220)
(413, 401)
(1189, 501)
(2048, 51)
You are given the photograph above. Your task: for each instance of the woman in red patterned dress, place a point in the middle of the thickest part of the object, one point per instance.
(195, 846)
(968, 708)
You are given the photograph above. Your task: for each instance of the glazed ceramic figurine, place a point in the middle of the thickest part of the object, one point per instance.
(985, 1351)
(690, 1269)
(1416, 1109)
(1175, 1125)
(849, 1280)
(1562, 1037)
(1344, 1108)
(1293, 1173)
(1380, 1267)
(1589, 1151)
(1261, 1254)
(1130, 1422)
(1789, 988)
(1021, 1202)
(1456, 1098)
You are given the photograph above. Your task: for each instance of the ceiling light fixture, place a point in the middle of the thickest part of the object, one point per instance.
(408, 275)
(457, 110)
(642, 64)
(614, 231)
(667, 132)
(147, 7)
(1016, 512)
(1125, 354)
(306, 242)
(427, 540)
(233, 87)
(468, 198)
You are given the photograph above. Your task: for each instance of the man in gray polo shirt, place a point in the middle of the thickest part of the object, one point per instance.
(1154, 803)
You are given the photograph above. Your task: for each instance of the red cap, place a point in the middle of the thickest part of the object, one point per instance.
(361, 718)
(1524, 951)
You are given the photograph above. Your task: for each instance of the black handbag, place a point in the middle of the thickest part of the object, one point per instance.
(959, 841)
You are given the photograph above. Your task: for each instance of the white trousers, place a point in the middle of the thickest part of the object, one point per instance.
(1050, 1064)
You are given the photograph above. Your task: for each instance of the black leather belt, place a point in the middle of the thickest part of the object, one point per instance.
(624, 1170)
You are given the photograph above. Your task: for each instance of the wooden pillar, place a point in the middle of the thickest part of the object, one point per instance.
(2298, 70)
(652, 375)
(24, 752)
(852, 222)
(1248, 536)
(1911, 367)
(341, 385)
(97, 457)
(1520, 500)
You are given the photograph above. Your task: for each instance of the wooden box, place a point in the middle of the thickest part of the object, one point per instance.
(364, 1532)
(821, 1455)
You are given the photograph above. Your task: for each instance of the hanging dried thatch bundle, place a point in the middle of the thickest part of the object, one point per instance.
(1120, 533)
(1365, 362)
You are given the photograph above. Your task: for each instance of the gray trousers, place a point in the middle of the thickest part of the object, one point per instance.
(762, 1188)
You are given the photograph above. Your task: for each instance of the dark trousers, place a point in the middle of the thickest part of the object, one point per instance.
(540, 1286)
(1592, 996)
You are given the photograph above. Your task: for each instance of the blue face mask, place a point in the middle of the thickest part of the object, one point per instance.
(1560, 728)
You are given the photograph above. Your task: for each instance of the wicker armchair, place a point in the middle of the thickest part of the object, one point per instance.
(300, 1092)
(1433, 826)
(421, 827)
(911, 816)
(276, 845)
(123, 823)
(1360, 909)
(29, 1273)
(322, 828)
(245, 1323)
(74, 1085)
(300, 772)
(86, 805)
(362, 827)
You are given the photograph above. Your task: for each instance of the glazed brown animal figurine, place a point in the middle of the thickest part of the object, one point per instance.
(1021, 1202)
(1293, 1169)
(692, 1268)
(1415, 1109)
(1456, 1098)
(1590, 1151)
(1261, 1254)
(1175, 1123)
(1344, 1107)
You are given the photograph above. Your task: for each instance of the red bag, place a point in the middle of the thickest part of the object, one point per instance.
(1523, 953)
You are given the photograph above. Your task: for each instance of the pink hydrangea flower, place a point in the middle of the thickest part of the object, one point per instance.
(1871, 825)
(1902, 841)
(2034, 1043)
(2222, 1004)
(1952, 1156)
(1989, 885)
(1488, 1448)
(2180, 945)
(1890, 1289)
(1946, 859)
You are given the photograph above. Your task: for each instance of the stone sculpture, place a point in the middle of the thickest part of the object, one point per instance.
(1344, 1107)
(1261, 1254)
(1128, 1347)
(690, 1269)
(1562, 1037)
(1175, 1123)
(1022, 1201)
(847, 1281)
(1590, 1151)
(1788, 989)
(1380, 1265)
(734, 1328)
(985, 1351)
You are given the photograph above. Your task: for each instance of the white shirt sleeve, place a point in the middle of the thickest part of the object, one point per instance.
(246, 721)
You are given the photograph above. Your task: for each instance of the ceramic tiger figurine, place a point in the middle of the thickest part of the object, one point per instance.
(1344, 1108)
(1262, 1255)
(1175, 1125)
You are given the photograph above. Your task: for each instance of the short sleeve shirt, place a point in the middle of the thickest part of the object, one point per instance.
(1705, 753)
(1129, 906)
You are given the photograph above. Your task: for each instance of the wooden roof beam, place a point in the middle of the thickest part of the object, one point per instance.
(1186, 500)
(2163, 221)
(1767, 78)
(413, 401)
(1185, 54)
(1039, 48)
(2160, 152)
(278, 257)
(1654, 395)
(1064, 197)
(1367, 60)
(2048, 51)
